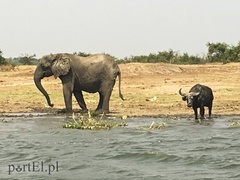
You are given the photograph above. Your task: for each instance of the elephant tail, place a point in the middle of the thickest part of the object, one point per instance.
(119, 86)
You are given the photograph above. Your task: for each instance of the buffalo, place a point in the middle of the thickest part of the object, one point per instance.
(198, 97)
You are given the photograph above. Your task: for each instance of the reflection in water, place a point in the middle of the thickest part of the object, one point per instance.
(182, 150)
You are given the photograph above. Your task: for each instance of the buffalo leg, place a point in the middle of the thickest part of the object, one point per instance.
(201, 112)
(195, 113)
(210, 111)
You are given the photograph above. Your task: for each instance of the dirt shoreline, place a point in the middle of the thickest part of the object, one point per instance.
(150, 90)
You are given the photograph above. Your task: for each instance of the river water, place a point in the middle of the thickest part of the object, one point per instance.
(38, 147)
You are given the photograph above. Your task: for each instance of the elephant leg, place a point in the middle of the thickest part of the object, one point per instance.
(105, 94)
(100, 103)
(67, 94)
(79, 97)
(106, 99)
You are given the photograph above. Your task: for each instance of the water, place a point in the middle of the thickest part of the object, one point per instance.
(183, 150)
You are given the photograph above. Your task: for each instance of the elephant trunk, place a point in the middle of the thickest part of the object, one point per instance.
(38, 75)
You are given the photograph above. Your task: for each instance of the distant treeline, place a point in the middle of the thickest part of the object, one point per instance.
(217, 52)
(22, 60)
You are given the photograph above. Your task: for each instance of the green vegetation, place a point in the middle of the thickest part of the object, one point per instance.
(217, 52)
(27, 59)
(2, 59)
(165, 57)
(88, 123)
(235, 123)
(22, 60)
(223, 52)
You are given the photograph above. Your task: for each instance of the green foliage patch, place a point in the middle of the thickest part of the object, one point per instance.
(235, 123)
(89, 123)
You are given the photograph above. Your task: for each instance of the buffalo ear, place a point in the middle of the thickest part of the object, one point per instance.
(61, 66)
(184, 98)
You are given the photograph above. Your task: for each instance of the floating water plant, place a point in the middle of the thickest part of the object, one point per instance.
(155, 125)
(235, 123)
(89, 123)
(124, 117)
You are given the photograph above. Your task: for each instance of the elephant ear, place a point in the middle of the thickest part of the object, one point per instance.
(61, 66)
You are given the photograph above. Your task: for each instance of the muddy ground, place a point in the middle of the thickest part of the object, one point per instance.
(148, 89)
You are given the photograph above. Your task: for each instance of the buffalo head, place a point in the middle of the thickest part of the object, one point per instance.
(189, 97)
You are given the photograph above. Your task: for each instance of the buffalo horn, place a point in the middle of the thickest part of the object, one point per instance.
(195, 93)
(180, 92)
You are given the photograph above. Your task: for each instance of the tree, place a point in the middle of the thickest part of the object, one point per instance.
(2, 59)
(217, 52)
(27, 59)
(221, 52)
(234, 53)
(166, 56)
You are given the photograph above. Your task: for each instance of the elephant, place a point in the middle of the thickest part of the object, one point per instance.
(94, 73)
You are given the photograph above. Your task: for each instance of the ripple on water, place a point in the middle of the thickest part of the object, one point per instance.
(186, 149)
(147, 156)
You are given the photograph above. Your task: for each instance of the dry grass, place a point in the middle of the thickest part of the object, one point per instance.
(148, 89)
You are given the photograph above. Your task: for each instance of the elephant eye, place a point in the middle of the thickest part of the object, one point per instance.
(44, 67)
